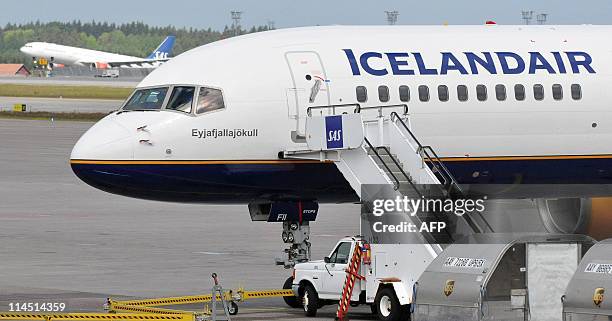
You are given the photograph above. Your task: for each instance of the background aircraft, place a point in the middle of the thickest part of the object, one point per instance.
(66, 55)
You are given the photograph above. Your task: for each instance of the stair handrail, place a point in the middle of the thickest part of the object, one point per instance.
(397, 164)
(333, 107)
(397, 182)
(434, 160)
(381, 107)
(357, 106)
(428, 236)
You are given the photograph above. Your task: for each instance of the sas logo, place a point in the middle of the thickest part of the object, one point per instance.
(449, 287)
(160, 55)
(333, 132)
(598, 296)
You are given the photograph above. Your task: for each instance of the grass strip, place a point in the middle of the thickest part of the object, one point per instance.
(57, 91)
(44, 115)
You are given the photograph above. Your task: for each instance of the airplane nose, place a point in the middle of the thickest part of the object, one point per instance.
(104, 143)
(106, 140)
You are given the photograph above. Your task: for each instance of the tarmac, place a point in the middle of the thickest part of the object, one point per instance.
(63, 241)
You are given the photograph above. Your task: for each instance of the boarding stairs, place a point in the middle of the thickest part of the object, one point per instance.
(379, 147)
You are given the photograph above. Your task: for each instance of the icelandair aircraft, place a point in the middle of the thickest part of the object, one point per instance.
(66, 55)
(500, 104)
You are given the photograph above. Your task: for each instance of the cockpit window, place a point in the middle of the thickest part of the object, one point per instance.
(181, 99)
(209, 99)
(147, 99)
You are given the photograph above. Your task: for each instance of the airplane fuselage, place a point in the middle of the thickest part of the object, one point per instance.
(500, 104)
(68, 55)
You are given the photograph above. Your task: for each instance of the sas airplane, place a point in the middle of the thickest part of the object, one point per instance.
(66, 55)
(224, 123)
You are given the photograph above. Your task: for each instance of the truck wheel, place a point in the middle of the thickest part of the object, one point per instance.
(291, 301)
(310, 301)
(373, 308)
(387, 306)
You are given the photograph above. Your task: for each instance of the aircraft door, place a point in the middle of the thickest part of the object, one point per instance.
(309, 88)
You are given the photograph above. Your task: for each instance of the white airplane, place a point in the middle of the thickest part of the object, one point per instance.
(499, 104)
(66, 55)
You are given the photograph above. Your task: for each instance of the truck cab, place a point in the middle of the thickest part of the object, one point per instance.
(389, 273)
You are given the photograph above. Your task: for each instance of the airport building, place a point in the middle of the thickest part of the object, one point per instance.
(14, 70)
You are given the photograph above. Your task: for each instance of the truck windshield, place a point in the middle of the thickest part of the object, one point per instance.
(341, 254)
(147, 99)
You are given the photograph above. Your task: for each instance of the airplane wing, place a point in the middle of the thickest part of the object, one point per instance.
(126, 64)
(139, 63)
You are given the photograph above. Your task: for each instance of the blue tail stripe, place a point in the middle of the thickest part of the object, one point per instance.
(164, 50)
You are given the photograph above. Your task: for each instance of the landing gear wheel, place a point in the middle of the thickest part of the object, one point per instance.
(291, 301)
(387, 306)
(232, 308)
(310, 301)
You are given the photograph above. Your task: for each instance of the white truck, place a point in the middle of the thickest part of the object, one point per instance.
(389, 270)
(108, 73)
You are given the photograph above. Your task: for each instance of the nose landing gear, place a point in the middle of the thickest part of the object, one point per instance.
(296, 217)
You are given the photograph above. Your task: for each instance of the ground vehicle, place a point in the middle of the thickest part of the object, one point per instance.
(388, 282)
(108, 73)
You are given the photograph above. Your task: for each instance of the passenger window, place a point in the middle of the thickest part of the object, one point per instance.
(362, 94)
(341, 254)
(423, 93)
(181, 99)
(576, 92)
(147, 99)
(209, 99)
(404, 93)
(557, 92)
(383, 93)
(500, 92)
(443, 92)
(481, 92)
(462, 93)
(519, 92)
(538, 92)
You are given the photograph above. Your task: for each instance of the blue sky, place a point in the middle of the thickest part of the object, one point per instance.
(290, 13)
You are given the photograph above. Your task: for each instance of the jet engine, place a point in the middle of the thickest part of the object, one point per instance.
(99, 65)
(590, 216)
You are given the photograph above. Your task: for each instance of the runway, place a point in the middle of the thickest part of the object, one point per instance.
(129, 82)
(63, 241)
(61, 105)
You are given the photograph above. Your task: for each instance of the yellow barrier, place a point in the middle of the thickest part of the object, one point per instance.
(145, 310)
(116, 307)
(94, 316)
(239, 295)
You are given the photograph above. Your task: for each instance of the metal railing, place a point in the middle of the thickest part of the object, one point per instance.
(429, 155)
(357, 109)
(397, 183)
(333, 107)
(429, 237)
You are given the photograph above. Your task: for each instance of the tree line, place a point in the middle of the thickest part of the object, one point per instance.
(134, 39)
